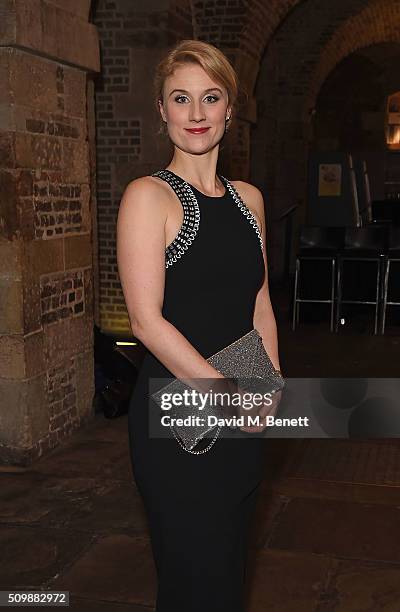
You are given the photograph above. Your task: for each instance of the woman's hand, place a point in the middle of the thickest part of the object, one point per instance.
(258, 410)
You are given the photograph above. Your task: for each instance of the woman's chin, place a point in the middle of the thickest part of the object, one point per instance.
(196, 148)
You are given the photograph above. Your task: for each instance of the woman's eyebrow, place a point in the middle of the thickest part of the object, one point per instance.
(205, 91)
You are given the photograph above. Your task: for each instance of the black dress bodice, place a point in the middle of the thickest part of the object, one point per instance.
(214, 267)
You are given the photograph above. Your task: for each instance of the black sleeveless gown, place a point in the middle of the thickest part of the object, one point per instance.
(199, 506)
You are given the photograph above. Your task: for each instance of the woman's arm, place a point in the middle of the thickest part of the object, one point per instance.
(141, 264)
(263, 318)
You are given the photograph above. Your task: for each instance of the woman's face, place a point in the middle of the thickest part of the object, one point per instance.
(195, 108)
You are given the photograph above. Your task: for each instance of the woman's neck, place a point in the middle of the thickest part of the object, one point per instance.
(200, 171)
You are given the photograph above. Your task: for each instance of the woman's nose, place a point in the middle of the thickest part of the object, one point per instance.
(196, 112)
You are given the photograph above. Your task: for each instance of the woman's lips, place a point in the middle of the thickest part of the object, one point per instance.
(197, 130)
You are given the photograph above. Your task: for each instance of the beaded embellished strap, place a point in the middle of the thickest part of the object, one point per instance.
(191, 217)
(246, 211)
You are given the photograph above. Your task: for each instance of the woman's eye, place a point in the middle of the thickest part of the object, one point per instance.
(179, 98)
(213, 98)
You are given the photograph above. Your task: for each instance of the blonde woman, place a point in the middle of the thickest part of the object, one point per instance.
(192, 263)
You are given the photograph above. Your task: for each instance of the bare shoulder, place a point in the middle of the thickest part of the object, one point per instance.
(147, 188)
(144, 200)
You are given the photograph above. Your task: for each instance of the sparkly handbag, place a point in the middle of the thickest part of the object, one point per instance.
(245, 360)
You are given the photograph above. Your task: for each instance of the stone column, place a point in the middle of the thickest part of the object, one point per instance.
(47, 50)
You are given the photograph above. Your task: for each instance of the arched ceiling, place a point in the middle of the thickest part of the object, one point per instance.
(246, 29)
(379, 22)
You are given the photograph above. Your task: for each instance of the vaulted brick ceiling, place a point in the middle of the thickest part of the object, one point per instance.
(378, 22)
(247, 27)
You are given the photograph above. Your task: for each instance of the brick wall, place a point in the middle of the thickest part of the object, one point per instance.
(133, 38)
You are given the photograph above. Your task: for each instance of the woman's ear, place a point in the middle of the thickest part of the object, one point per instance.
(161, 107)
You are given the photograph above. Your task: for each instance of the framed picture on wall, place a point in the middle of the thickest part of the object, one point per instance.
(393, 121)
(330, 180)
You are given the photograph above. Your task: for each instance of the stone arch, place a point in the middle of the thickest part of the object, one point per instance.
(286, 75)
(378, 23)
(350, 108)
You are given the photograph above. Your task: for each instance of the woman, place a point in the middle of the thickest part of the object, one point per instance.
(192, 264)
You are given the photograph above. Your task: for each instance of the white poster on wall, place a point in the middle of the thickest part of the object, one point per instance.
(330, 180)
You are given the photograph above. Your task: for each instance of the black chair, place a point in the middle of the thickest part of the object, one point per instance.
(393, 257)
(317, 244)
(362, 244)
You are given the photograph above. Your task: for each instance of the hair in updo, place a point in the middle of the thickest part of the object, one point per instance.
(211, 59)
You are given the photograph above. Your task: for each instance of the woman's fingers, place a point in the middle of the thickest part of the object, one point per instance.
(268, 407)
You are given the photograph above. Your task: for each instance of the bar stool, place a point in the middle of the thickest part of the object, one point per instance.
(362, 244)
(393, 257)
(317, 244)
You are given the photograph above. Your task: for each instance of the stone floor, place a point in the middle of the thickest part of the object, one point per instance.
(327, 527)
(323, 539)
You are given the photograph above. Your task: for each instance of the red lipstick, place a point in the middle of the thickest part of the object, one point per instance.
(197, 130)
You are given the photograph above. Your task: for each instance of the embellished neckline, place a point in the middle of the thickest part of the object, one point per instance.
(191, 215)
(205, 195)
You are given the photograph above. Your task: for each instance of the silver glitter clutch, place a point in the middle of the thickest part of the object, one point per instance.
(244, 360)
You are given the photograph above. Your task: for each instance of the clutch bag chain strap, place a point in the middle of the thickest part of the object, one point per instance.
(199, 452)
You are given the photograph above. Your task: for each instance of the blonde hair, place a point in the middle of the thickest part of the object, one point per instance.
(211, 59)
